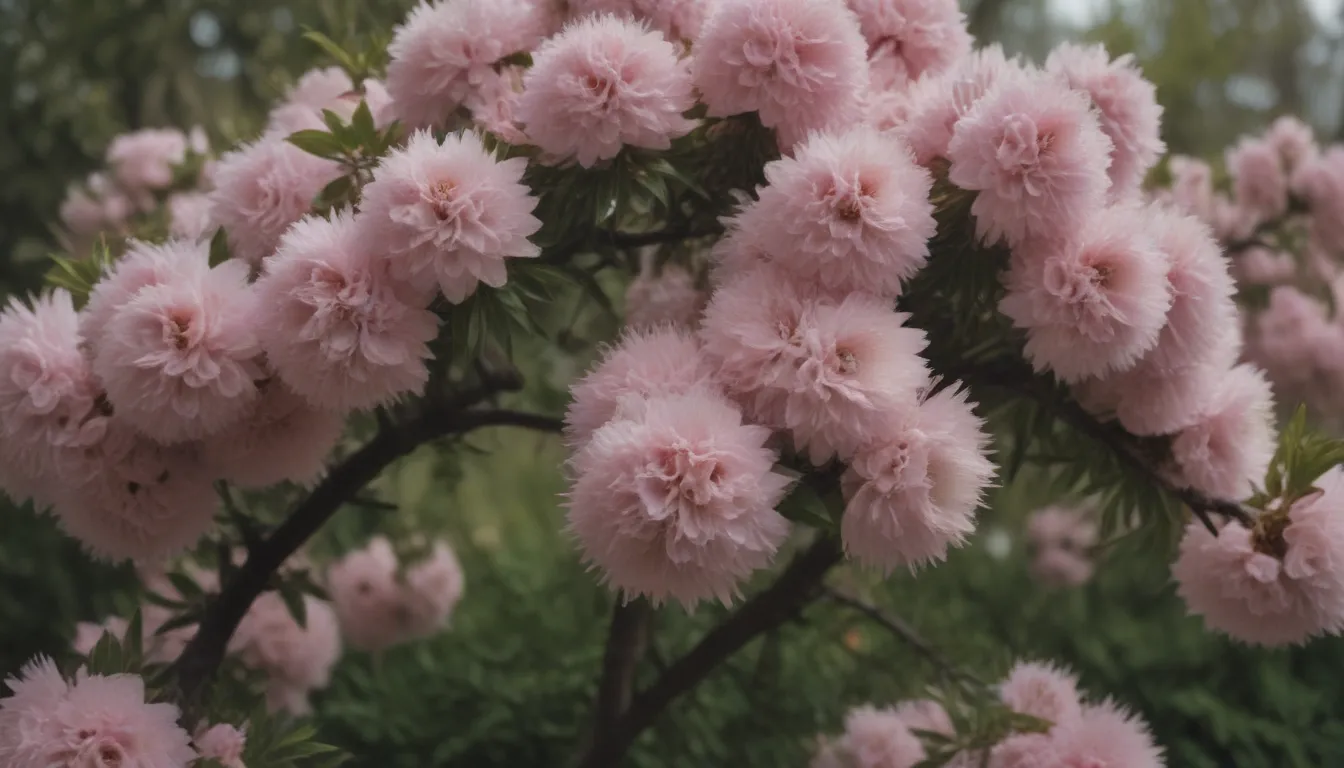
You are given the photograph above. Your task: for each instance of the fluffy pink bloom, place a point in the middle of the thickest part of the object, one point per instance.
(142, 266)
(369, 601)
(798, 63)
(263, 188)
(910, 38)
(677, 19)
(189, 216)
(48, 395)
(678, 501)
(1105, 735)
(434, 585)
(644, 364)
(494, 105)
(601, 84)
(1020, 750)
(1299, 348)
(282, 438)
(1035, 153)
(1091, 305)
(1260, 183)
(445, 51)
(937, 103)
(296, 660)
(1043, 691)
(448, 213)
(1320, 183)
(850, 212)
(878, 738)
(129, 497)
(1192, 186)
(1277, 584)
(887, 111)
(224, 743)
(1263, 266)
(342, 337)
(1201, 322)
(143, 160)
(1293, 139)
(667, 297)
(1151, 400)
(913, 492)
(1229, 447)
(1126, 104)
(98, 721)
(326, 88)
(177, 360)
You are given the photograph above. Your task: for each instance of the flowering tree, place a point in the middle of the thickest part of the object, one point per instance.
(848, 275)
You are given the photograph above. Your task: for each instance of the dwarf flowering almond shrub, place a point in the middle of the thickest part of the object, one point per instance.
(870, 274)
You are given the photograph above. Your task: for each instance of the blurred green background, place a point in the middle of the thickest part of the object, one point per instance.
(510, 684)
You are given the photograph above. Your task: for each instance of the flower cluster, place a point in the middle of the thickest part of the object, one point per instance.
(1079, 733)
(381, 603)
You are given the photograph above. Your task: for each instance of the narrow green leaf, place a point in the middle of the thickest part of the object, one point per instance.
(132, 641)
(362, 124)
(185, 585)
(219, 248)
(320, 143)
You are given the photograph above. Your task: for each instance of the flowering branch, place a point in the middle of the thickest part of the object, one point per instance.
(794, 588)
(898, 627)
(202, 656)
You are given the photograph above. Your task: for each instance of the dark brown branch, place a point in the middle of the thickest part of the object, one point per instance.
(627, 639)
(202, 656)
(794, 588)
(907, 634)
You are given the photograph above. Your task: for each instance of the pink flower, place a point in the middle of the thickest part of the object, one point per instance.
(224, 743)
(445, 51)
(878, 738)
(1057, 567)
(177, 360)
(910, 38)
(1260, 183)
(1320, 183)
(1192, 186)
(323, 89)
(435, 586)
(369, 601)
(1229, 447)
(142, 266)
(937, 103)
(644, 364)
(1300, 350)
(1127, 107)
(128, 497)
(1277, 584)
(667, 297)
(263, 188)
(296, 660)
(850, 212)
(679, 500)
(93, 207)
(449, 213)
(1201, 323)
(601, 84)
(342, 338)
(912, 492)
(1263, 266)
(1062, 539)
(48, 395)
(1293, 139)
(798, 63)
(189, 216)
(887, 111)
(1035, 153)
(98, 721)
(1106, 735)
(143, 160)
(494, 105)
(1042, 691)
(678, 20)
(282, 438)
(1092, 305)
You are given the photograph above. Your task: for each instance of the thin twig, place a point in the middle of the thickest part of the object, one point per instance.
(627, 639)
(908, 634)
(794, 588)
(202, 656)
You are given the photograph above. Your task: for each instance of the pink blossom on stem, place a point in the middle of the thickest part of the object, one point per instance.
(912, 492)
(602, 84)
(799, 64)
(369, 602)
(342, 336)
(1035, 153)
(1230, 445)
(678, 502)
(143, 265)
(448, 213)
(910, 38)
(222, 742)
(1092, 305)
(282, 438)
(848, 211)
(143, 160)
(295, 659)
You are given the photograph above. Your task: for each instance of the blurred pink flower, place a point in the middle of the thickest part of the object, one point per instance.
(378, 608)
(1062, 539)
(263, 188)
(667, 297)
(798, 63)
(601, 84)
(189, 216)
(434, 584)
(1126, 104)
(445, 51)
(1192, 186)
(1230, 445)
(878, 738)
(1043, 691)
(849, 211)
(177, 360)
(222, 742)
(295, 659)
(1293, 140)
(143, 160)
(1036, 154)
(1260, 183)
(912, 491)
(1320, 183)
(910, 38)
(1093, 305)
(678, 502)
(341, 336)
(282, 438)
(448, 213)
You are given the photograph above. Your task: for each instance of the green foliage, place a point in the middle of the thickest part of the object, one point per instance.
(78, 276)
(1303, 455)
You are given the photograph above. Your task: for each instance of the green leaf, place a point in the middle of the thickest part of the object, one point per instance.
(339, 129)
(133, 639)
(295, 603)
(185, 586)
(362, 125)
(334, 194)
(219, 248)
(804, 505)
(332, 49)
(320, 143)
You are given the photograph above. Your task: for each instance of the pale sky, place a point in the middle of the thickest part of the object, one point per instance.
(1084, 11)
